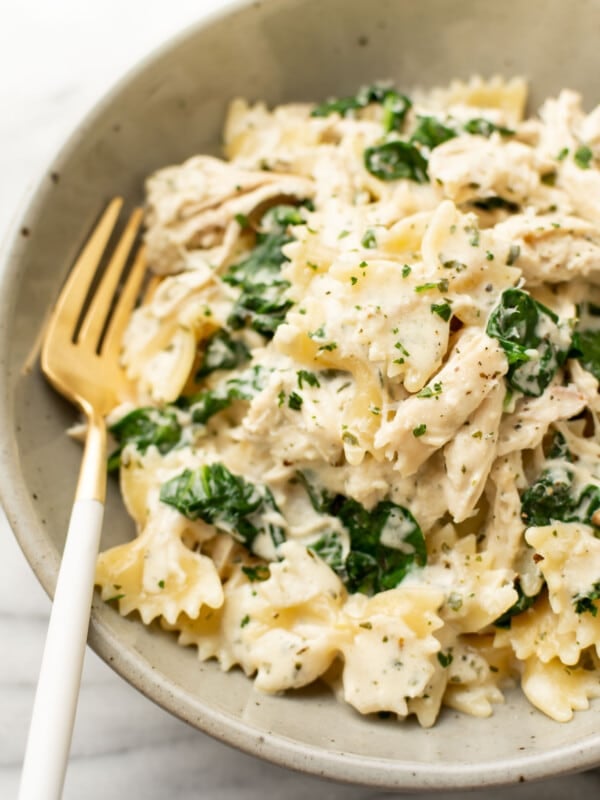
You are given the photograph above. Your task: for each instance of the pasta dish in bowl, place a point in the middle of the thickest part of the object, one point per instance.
(352, 524)
(364, 441)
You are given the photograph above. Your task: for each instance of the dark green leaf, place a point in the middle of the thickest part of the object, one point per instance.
(586, 602)
(521, 604)
(217, 496)
(329, 548)
(495, 203)
(395, 105)
(430, 132)
(394, 160)
(484, 127)
(523, 325)
(262, 303)
(443, 310)
(586, 340)
(384, 543)
(552, 498)
(145, 427)
(209, 402)
(221, 351)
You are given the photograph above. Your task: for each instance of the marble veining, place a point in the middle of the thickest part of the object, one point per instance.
(56, 59)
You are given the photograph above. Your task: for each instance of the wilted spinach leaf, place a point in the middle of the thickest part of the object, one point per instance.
(205, 404)
(384, 543)
(484, 127)
(395, 105)
(144, 427)
(585, 602)
(217, 496)
(523, 602)
(552, 498)
(532, 339)
(221, 351)
(262, 303)
(586, 340)
(495, 203)
(396, 159)
(431, 132)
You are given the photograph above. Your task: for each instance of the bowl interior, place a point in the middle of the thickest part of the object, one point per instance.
(170, 108)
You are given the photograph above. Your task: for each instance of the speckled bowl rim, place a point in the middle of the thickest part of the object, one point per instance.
(14, 494)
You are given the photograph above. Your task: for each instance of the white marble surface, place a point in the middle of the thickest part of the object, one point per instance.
(56, 58)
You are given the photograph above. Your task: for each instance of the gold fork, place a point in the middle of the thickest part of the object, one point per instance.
(80, 358)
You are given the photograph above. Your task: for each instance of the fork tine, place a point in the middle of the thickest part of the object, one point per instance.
(113, 339)
(99, 308)
(75, 290)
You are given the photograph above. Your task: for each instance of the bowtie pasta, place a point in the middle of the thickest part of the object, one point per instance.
(363, 442)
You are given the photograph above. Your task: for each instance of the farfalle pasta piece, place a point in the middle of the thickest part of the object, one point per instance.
(395, 631)
(559, 690)
(157, 575)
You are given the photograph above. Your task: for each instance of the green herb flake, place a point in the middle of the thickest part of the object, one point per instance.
(583, 157)
(369, 239)
(245, 620)
(445, 659)
(562, 154)
(441, 286)
(295, 401)
(420, 430)
(443, 310)
(260, 572)
(406, 270)
(308, 378)
(242, 220)
(430, 391)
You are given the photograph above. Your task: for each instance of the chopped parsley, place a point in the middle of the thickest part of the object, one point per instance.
(431, 391)
(445, 659)
(295, 401)
(583, 157)
(260, 572)
(369, 240)
(443, 310)
(420, 430)
(308, 378)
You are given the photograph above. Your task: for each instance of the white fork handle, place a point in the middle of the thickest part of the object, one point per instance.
(57, 691)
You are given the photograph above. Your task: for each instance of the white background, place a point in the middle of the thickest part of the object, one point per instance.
(56, 58)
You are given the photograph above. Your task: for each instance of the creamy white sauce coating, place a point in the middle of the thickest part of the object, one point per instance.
(391, 286)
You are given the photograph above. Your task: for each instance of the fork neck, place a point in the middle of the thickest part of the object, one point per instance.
(92, 478)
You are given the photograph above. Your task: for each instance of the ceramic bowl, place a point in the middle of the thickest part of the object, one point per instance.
(169, 108)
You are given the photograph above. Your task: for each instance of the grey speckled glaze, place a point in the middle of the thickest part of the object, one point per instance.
(169, 108)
